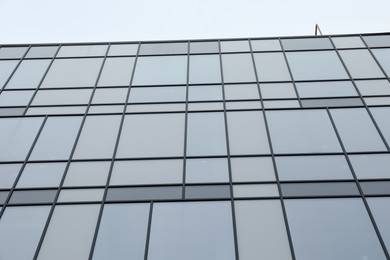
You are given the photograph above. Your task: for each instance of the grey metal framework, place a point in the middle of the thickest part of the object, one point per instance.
(289, 134)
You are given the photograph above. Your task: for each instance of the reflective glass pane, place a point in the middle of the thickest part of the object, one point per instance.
(373, 87)
(82, 50)
(207, 170)
(348, 42)
(207, 192)
(145, 193)
(381, 116)
(157, 94)
(266, 45)
(33, 196)
(12, 111)
(361, 64)
(123, 49)
(15, 98)
(56, 110)
(383, 56)
(12, 52)
(8, 174)
(205, 106)
(79, 195)
(278, 90)
(28, 74)
(87, 174)
(163, 48)
(326, 89)
(204, 47)
(6, 68)
(155, 107)
(377, 40)
(319, 189)
(234, 46)
(255, 190)
(271, 67)
(307, 44)
(252, 169)
(243, 105)
(62, 97)
(376, 187)
(200, 93)
(332, 102)
(380, 208)
(238, 68)
(107, 96)
(41, 175)
(204, 69)
(247, 91)
(42, 52)
(116, 72)
(192, 231)
(370, 166)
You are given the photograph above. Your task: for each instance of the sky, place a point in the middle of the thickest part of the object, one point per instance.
(51, 21)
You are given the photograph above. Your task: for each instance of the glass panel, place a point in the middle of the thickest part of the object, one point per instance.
(204, 69)
(152, 136)
(380, 208)
(116, 72)
(271, 67)
(373, 87)
(281, 104)
(334, 102)
(356, 130)
(12, 52)
(8, 174)
(28, 74)
(348, 42)
(238, 68)
(122, 232)
(70, 233)
(98, 137)
(207, 170)
(147, 172)
(326, 89)
(236, 92)
(266, 45)
(252, 169)
(369, 166)
(12, 111)
(161, 70)
(57, 138)
(302, 131)
(361, 64)
(381, 116)
(204, 47)
(105, 109)
(383, 56)
(33, 196)
(42, 52)
(163, 48)
(205, 106)
(261, 231)
(206, 192)
(157, 94)
(17, 136)
(107, 96)
(82, 50)
(155, 108)
(62, 97)
(319, 189)
(313, 167)
(3, 196)
(247, 133)
(77, 195)
(377, 40)
(20, 231)
(192, 231)
(123, 49)
(243, 105)
(144, 193)
(199, 93)
(206, 134)
(255, 190)
(278, 90)
(376, 187)
(72, 73)
(316, 65)
(15, 98)
(320, 228)
(307, 44)
(6, 68)
(234, 46)
(87, 174)
(41, 175)
(56, 110)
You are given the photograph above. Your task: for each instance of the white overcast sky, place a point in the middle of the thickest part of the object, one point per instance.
(43, 21)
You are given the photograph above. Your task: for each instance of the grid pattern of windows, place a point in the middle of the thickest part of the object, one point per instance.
(221, 149)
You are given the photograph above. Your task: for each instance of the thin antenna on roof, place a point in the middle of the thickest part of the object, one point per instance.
(317, 30)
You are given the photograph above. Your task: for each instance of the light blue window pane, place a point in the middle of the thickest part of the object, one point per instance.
(234, 46)
(41, 175)
(6, 68)
(383, 56)
(15, 98)
(207, 170)
(238, 68)
(87, 173)
(356, 130)
(277, 90)
(8, 174)
(192, 231)
(157, 94)
(302, 131)
(252, 169)
(82, 50)
(117, 72)
(98, 137)
(261, 231)
(370, 166)
(373, 87)
(348, 42)
(20, 231)
(160, 70)
(377, 40)
(204, 47)
(316, 65)
(122, 232)
(12, 52)
(205, 69)
(200, 93)
(380, 208)
(42, 52)
(361, 64)
(326, 89)
(73, 73)
(28, 74)
(381, 116)
(62, 97)
(271, 67)
(307, 44)
(238, 92)
(206, 134)
(313, 167)
(163, 48)
(111, 95)
(332, 229)
(56, 139)
(123, 49)
(266, 45)
(17, 136)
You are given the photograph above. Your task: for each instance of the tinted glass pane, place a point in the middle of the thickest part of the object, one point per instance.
(383, 56)
(209, 191)
(360, 64)
(56, 110)
(316, 65)
(266, 45)
(348, 42)
(62, 97)
(191, 230)
(252, 169)
(70, 232)
(377, 40)
(28, 74)
(205, 106)
(42, 52)
(161, 70)
(72, 73)
(144, 193)
(234, 46)
(17, 136)
(373, 87)
(319, 189)
(9, 172)
(15, 98)
(198, 93)
(376, 187)
(41, 175)
(326, 89)
(334, 102)
(320, 227)
(206, 134)
(12, 111)
(205, 69)
(87, 173)
(20, 231)
(33, 196)
(116, 72)
(307, 44)
(247, 133)
(278, 90)
(112, 95)
(123, 49)
(255, 190)
(207, 170)
(261, 231)
(82, 50)
(356, 130)
(152, 135)
(247, 91)
(12, 52)
(122, 232)
(370, 166)
(163, 48)
(380, 208)
(6, 68)
(381, 116)
(271, 67)
(204, 47)
(157, 94)
(238, 68)
(302, 131)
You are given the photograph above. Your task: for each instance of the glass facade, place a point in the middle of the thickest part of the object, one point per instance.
(240, 149)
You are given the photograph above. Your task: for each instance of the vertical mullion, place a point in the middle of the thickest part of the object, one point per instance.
(186, 124)
(228, 156)
(272, 151)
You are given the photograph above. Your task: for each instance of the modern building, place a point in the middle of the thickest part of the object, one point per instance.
(263, 148)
